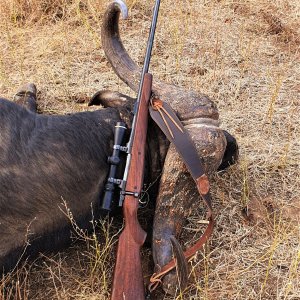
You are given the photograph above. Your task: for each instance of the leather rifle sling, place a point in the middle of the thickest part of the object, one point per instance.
(166, 119)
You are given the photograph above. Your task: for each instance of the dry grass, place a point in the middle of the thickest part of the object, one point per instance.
(243, 54)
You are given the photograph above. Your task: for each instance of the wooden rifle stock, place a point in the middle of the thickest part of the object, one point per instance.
(128, 280)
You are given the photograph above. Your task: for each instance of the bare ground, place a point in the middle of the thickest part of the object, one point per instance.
(245, 56)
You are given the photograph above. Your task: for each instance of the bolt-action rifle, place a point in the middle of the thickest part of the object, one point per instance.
(128, 280)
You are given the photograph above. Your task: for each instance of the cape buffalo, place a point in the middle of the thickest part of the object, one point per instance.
(44, 161)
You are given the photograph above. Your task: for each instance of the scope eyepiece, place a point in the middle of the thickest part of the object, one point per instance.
(106, 203)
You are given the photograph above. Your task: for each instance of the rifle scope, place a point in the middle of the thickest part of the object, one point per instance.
(114, 161)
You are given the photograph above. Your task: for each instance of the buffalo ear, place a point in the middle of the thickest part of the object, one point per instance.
(108, 98)
(26, 96)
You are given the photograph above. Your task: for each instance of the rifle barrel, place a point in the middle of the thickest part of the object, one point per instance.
(144, 71)
(150, 42)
